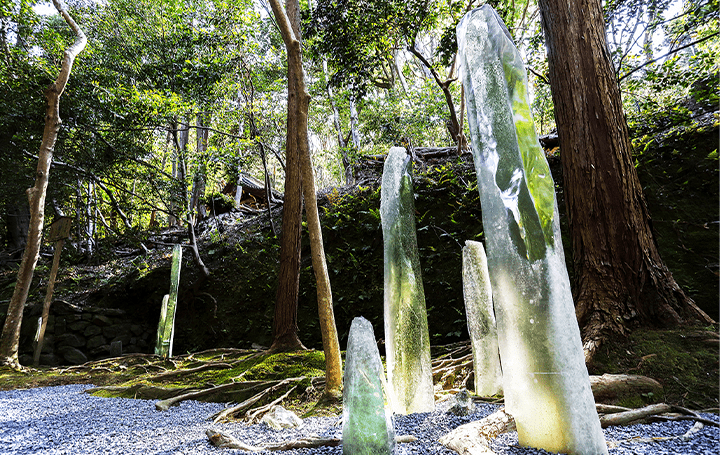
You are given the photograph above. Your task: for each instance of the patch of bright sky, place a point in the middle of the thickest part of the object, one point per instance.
(45, 9)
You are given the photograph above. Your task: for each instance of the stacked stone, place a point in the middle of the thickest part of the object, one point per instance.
(75, 335)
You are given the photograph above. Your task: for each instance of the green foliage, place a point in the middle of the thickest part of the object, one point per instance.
(218, 202)
(420, 116)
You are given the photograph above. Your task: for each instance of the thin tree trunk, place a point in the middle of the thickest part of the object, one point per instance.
(354, 133)
(268, 187)
(342, 145)
(10, 339)
(453, 124)
(173, 136)
(298, 101)
(90, 220)
(400, 74)
(620, 279)
(198, 190)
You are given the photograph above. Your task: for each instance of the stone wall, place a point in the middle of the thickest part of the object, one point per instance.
(76, 335)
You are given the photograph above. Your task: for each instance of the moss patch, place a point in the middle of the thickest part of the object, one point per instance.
(684, 361)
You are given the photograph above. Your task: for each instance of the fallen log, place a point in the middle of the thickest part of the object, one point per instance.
(610, 387)
(625, 417)
(226, 441)
(474, 438)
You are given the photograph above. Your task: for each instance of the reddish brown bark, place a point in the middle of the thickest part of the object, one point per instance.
(620, 278)
(298, 101)
(285, 326)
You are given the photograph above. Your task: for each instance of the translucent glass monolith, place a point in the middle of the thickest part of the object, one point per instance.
(481, 320)
(407, 341)
(367, 422)
(166, 325)
(546, 383)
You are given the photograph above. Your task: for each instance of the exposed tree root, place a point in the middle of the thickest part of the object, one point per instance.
(119, 364)
(268, 388)
(695, 429)
(617, 415)
(174, 374)
(143, 392)
(632, 415)
(246, 386)
(453, 369)
(226, 441)
(222, 353)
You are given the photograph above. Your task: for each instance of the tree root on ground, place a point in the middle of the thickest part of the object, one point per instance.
(226, 441)
(222, 353)
(117, 364)
(267, 388)
(246, 386)
(454, 368)
(174, 374)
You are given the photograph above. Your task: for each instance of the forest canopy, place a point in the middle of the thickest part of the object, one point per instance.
(172, 101)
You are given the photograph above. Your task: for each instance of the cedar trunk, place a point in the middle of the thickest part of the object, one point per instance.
(285, 326)
(620, 278)
(298, 101)
(10, 339)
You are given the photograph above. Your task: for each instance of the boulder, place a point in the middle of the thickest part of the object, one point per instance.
(72, 355)
(461, 404)
(101, 320)
(280, 418)
(95, 342)
(78, 326)
(92, 330)
(70, 339)
(116, 348)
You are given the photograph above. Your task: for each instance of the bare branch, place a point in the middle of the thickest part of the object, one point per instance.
(669, 53)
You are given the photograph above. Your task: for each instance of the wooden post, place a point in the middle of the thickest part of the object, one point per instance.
(59, 231)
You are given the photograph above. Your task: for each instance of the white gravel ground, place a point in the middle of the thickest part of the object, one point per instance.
(63, 420)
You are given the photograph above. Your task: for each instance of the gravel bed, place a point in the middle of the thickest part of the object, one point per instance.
(63, 420)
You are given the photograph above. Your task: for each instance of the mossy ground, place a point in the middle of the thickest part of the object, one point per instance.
(684, 361)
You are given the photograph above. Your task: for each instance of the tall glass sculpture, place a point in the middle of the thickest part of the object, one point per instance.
(546, 383)
(407, 341)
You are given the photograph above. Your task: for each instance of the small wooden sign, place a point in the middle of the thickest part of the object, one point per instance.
(60, 229)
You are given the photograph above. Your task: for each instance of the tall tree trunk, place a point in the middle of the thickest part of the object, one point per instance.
(620, 279)
(285, 326)
(10, 339)
(298, 101)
